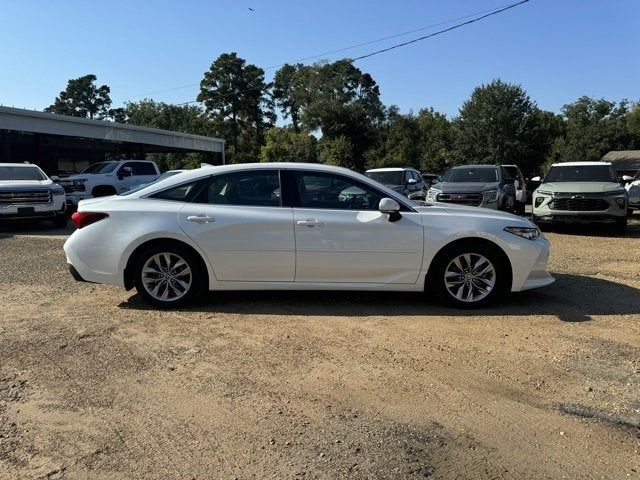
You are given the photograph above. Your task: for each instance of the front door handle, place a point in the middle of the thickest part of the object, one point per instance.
(200, 219)
(310, 222)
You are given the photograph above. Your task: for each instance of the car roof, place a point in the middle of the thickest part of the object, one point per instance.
(579, 164)
(476, 166)
(26, 165)
(389, 169)
(201, 172)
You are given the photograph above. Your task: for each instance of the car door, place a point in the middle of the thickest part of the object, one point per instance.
(341, 236)
(238, 221)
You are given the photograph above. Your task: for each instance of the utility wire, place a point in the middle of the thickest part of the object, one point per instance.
(489, 12)
(377, 52)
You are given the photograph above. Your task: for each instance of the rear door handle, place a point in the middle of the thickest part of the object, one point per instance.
(310, 222)
(200, 219)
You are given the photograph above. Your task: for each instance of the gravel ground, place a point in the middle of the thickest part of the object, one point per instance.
(94, 384)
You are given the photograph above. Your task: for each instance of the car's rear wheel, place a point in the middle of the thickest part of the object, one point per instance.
(169, 276)
(469, 275)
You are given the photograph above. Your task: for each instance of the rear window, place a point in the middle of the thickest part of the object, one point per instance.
(387, 178)
(181, 193)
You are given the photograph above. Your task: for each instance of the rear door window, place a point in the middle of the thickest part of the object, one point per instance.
(255, 188)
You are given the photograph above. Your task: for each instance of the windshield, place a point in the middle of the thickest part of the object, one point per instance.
(21, 173)
(387, 178)
(102, 167)
(582, 173)
(471, 174)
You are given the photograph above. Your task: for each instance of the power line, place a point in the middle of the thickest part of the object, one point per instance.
(490, 12)
(439, 32)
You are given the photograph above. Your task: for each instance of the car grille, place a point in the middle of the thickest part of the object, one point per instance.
(579, 203)
(25, 197)
(474, 199)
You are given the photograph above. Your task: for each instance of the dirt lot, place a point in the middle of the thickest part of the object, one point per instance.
(93, 384)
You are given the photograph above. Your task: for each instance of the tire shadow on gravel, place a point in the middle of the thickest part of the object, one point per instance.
(572, 298)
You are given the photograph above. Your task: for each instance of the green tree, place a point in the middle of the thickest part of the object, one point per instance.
(178, 118)
(500, 124)
(236, 97)
(336, 151)
(633, 122)
(287, 145)
(343, 103)
(82, 98)
(436, 136)
(290, 91)
(592, 128)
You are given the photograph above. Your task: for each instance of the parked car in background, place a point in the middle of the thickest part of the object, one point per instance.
(581, 192)
(521, 187)
(292, 226)
(26, 192)
(406, 181)
(430, 178)
(488, 186)
(632, 186)
(108, 178)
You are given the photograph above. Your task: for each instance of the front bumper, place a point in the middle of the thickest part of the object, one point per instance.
(543, 213)
(33, 211)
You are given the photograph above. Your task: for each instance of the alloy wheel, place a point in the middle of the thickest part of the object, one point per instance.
(166, 276)
(470, 277)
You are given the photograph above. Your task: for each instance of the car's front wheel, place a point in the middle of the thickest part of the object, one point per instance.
(469, 275)
(169, 276)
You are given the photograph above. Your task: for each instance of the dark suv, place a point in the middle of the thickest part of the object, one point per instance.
(406, 181)
(488, 186)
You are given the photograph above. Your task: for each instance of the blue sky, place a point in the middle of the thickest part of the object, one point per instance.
(557, 50)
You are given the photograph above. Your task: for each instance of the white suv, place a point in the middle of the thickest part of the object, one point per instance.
(27, 193)
(109, 178)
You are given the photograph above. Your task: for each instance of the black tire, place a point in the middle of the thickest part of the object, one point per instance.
(501, 273)
(198, 280)
(103, 191)
(60, 221)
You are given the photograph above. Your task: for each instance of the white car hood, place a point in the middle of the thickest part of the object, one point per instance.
(579, 187)
(476, 212)
(25, 183)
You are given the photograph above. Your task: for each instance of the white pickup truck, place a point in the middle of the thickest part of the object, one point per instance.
(108, 178)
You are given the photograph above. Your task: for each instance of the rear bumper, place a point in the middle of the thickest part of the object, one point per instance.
(75, 274)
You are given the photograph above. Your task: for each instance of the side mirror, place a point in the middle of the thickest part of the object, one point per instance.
(125, 172)
(54, 178)
(390, 207)
(412, 181)
(536, 179)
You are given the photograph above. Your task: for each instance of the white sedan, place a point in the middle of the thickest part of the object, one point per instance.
(291, 226)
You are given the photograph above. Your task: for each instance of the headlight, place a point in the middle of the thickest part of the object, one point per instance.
(616, 192)
(530, 233)
(57, 190)
(543, 192)
(432, 194)
(539, 201)
(490, 196)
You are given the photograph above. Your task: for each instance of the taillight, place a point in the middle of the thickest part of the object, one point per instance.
(82, 219)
